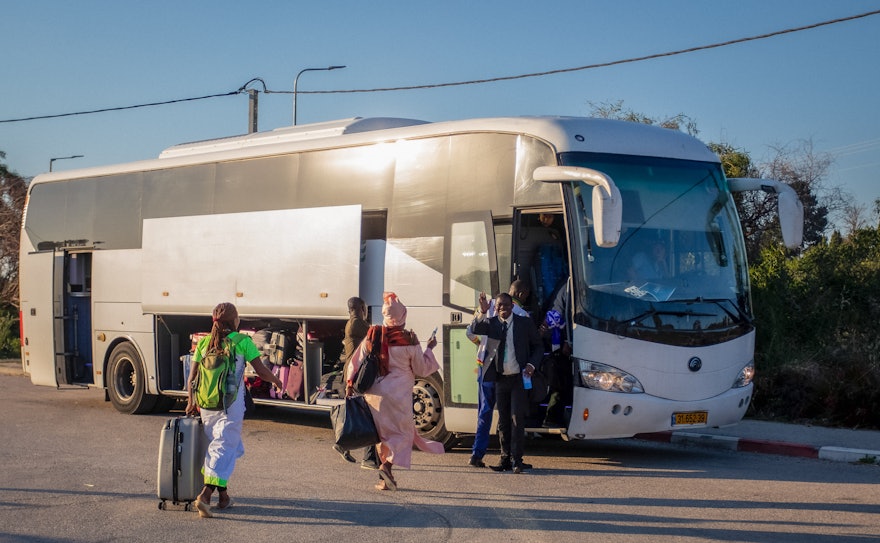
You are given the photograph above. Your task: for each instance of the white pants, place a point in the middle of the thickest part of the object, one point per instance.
(224, 441)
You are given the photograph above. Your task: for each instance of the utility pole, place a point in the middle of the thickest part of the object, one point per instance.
(253, 101)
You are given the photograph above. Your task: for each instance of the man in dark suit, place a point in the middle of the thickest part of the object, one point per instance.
(513, 349)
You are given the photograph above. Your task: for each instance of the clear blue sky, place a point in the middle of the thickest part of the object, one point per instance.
(72, 56)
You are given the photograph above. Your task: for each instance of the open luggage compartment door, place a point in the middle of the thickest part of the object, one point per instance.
(302, 262)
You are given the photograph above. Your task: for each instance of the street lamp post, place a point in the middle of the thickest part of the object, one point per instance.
(296, 80)
(51, 160)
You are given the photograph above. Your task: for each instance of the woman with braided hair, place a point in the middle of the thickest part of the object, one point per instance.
(223, 425)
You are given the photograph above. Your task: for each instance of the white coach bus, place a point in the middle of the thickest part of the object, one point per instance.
(121, 265)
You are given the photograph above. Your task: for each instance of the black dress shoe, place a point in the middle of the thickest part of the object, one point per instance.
(522, 467)
(476, 462)
(503, 466)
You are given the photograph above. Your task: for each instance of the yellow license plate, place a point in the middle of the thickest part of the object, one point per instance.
(690, 418)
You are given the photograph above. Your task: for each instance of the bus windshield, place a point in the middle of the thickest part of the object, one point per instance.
(678, 275)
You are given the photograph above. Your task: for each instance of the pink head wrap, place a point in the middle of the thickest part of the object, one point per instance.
(393, 310)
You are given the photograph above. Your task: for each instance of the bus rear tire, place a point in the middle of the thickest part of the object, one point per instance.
(126, 382)
(428, 411)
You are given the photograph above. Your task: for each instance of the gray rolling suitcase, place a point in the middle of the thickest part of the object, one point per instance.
(182, 446)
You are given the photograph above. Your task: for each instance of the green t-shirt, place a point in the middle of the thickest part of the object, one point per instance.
(245, 350)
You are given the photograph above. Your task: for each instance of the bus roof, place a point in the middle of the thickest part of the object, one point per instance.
(563, 134)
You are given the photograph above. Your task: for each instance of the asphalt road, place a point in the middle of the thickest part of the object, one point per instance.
(75, 470)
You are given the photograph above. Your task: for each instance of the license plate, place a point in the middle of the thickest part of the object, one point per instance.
(690, 418)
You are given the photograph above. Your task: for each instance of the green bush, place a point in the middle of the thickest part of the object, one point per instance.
(10, 343)
(816, 352)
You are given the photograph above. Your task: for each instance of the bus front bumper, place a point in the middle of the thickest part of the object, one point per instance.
(603, 415)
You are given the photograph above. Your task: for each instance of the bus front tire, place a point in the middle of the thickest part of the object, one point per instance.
(126, 382)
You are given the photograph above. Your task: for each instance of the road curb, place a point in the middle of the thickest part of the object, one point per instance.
(836, 454)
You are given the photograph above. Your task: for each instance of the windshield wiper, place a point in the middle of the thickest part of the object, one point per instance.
(737, 314)
(655, 313)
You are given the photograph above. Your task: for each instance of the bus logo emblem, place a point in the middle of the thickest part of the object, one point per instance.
(694, 364)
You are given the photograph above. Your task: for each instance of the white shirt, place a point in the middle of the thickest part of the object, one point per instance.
(511, 367)
(481, 350)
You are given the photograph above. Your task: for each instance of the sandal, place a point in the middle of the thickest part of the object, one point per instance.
(381, 485)
(229, 504)
(203, 508)
(387, 478)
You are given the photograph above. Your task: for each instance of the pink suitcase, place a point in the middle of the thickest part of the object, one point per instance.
(283, 373)
(294, 386)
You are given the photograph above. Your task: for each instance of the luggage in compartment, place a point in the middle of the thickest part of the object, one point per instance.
(291, 380)
(283, 374)
(257, 387)
(294, 385)
(276, 346)
(182, 447)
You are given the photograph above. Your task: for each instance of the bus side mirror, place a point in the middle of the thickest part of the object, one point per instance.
(607, 202)
(789, 207)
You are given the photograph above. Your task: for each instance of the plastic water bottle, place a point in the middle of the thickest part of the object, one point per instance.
(527, 380)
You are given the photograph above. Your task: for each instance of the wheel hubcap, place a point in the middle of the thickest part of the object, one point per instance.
(426, 406)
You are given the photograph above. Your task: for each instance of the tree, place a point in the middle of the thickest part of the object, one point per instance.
(615, 110)
(13, 189)
(800, 166)
(854, 217)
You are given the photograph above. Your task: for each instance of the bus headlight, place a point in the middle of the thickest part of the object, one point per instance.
(745, 375)
(608, 378)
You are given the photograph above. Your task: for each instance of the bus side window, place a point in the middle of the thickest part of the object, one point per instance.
(469, 266)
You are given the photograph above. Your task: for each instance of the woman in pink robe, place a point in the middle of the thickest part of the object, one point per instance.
(390, 398)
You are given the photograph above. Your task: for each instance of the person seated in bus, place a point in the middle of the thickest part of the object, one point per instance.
(355, 331)
(223, 426)
(650, 265)
(519, 291)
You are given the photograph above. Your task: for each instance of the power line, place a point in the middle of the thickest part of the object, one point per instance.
(475, 81)
(602, 64)
(119, 108)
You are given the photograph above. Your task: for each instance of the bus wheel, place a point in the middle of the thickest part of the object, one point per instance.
(126, 382)
(428, 411)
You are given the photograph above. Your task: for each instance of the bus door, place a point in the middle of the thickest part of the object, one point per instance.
(476, 248)
(73, 319)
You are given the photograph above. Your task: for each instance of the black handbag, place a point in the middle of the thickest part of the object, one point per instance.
(353, 424)
(540, 387)
(368, 371)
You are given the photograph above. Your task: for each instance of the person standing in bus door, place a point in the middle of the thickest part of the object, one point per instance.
(519, 292)
(514, 351)
(542, 255)
(556, 332)
(401, 359)
(223, 426)
(355, 331)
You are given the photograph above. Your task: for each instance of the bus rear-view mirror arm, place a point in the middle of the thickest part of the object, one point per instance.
(789, 207)
(606, 201)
